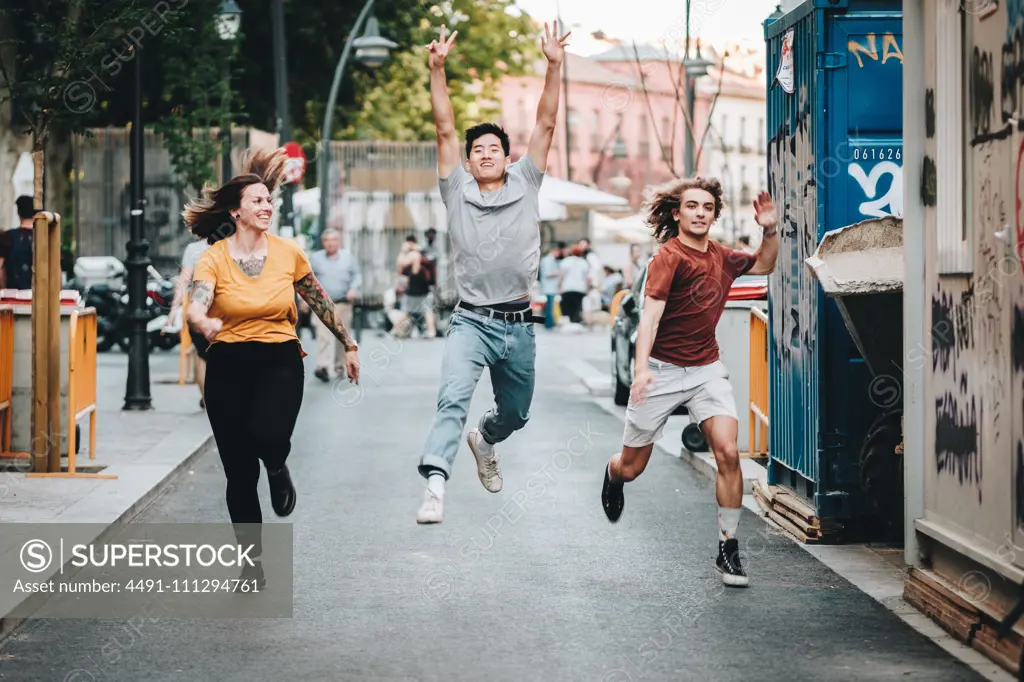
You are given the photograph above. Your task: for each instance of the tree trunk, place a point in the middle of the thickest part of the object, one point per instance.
(37, 163)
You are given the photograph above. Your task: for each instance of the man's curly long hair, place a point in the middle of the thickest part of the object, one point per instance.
(209, 216)
(661, 205)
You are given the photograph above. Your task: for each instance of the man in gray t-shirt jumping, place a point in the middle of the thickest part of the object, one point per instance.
(494, 224)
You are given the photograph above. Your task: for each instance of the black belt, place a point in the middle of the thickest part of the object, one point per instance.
(524, 315)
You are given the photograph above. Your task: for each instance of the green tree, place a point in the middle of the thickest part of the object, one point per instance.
(50, 54)
(495, 40)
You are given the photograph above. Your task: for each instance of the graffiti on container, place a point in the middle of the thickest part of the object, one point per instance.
(890, 49)
(868, 182)
(956, 438)
(928, 182)
(982, 92)
(793, 181)
(929, 113)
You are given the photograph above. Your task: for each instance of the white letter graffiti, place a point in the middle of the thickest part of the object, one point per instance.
(869, 184)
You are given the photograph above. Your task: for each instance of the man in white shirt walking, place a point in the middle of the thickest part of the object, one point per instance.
(338, 272)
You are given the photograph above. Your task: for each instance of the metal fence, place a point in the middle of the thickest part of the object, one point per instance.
(102, 191)
(379, 193)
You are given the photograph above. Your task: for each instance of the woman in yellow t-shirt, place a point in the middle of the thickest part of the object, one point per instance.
(243, 301)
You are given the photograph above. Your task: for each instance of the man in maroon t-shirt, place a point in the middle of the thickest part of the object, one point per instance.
(677, 361)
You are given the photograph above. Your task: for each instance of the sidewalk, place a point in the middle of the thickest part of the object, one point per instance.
(144, 449)
(877, 571)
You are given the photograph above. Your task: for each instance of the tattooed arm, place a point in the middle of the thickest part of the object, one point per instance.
(199, 300)
(323, 307)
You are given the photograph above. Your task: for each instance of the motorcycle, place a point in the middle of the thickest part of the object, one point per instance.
(113, 315)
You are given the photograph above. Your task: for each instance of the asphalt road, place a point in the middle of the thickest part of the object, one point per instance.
(532, 583)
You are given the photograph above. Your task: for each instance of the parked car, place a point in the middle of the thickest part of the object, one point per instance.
(623, 340)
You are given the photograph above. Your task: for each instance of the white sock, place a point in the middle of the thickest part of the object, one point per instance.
(435, 484)
(728, 522)
(486, 449)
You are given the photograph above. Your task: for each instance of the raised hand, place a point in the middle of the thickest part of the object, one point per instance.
(764, 211)
(553, 46)
(438, 49)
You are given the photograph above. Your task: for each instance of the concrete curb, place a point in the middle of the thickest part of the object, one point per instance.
(34, 602)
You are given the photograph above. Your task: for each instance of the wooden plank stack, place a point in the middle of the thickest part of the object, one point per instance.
(974, 624)
(794, 515)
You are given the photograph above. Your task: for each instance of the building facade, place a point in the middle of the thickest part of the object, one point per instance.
(964, 310)
(627, 118)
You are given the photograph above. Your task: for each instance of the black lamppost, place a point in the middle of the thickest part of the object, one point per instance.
(228, 22)
(284, 123)
(371, 50)
(137, 395)
(693, 68)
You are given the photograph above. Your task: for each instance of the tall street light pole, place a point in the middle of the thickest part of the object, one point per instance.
(228, 22)
(693, 68)
(372, 50)
(284, 123)
(137, 396)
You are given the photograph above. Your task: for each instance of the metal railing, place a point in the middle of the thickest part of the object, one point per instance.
(758, 383)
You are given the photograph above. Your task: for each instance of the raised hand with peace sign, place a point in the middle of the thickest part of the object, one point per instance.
(439, 49)
(553, 46)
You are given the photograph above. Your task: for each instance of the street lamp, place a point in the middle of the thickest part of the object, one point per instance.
(694, 69)
(228, 22)
(372, 49)
(137, 395)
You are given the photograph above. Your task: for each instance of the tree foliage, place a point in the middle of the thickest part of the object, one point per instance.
(68, 66)
(495, 40)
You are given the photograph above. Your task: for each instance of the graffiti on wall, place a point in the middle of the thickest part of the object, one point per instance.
(982, 93)
(1017, 344)
(958, 410)
(868, 49)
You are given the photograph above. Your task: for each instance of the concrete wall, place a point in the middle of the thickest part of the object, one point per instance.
(971, 358)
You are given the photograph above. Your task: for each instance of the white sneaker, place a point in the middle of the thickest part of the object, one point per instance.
(487, 467)
(432, 509)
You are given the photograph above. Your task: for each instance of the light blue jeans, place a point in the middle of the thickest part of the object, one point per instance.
(474, 341)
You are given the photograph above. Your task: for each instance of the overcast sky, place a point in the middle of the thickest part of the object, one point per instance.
(653, 20)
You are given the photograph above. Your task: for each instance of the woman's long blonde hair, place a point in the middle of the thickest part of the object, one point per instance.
(209, 216)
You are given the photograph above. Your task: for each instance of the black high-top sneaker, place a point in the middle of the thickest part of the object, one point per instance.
(728, 564)
(612, 498)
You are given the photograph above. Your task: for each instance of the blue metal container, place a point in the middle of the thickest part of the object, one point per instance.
(834, 158)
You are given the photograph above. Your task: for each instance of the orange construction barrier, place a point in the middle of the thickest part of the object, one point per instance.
(613, 308)
(7, 382)
(81, 389)
(186, 361)
(758, 382)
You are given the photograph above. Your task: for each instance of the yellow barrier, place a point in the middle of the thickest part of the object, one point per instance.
(81, 385)
(758, 382)
(186, 366)
(613, 309)
(7, 382)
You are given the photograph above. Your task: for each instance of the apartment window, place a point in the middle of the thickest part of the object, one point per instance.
(595, 131)
(522, 137)
(743, 133)
(950, 195)
(723, 131)
(760, 136)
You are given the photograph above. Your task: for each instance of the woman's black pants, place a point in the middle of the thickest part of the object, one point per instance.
(253, 395)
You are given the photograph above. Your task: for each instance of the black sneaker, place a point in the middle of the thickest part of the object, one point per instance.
(252, 578)
(728, 564)
(611, 498)
(282, 492)
(321, 374)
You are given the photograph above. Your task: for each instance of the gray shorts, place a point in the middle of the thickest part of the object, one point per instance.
(705, 391)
